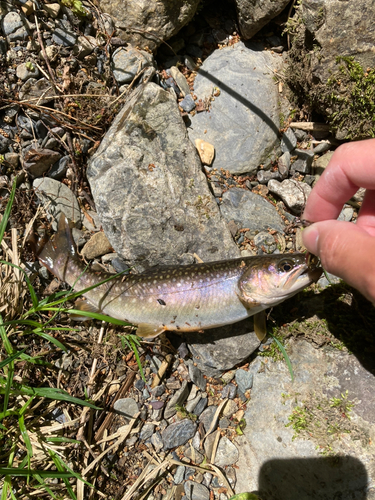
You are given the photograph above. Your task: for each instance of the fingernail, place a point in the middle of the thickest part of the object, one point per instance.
(310, 237)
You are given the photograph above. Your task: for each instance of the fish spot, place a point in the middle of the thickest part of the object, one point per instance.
(161, 302)
(179, 284)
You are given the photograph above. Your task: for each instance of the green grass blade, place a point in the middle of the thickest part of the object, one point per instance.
(21, 472)
(11, 358)
(4, 221)
(45, 486)
(51, 339)
(98, 316)
(8, 386)
(26, 439)
(60, 467)
(4, 338)
(62, 439)
(286, 357)
(51, 393)
(134, 343)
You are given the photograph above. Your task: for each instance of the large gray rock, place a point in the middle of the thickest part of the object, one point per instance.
(250, 210)
(242, 124)
(322, 31)
(148, 23)
(280, 465)
(149, 189)
(220, 349)
(254, 14)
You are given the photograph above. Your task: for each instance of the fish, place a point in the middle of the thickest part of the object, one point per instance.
(184, 298)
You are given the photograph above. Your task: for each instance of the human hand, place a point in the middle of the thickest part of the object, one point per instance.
(346, 250)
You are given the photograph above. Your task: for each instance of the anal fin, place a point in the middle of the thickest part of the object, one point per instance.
(260, 326)
(83, 305)
(146, 330)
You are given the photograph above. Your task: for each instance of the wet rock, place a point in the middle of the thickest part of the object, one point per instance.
(151, 194)
(221, 349)
(293, 193)
(226, 453)
(244, 380)
(178, 433)
(127, 62)
(59, 198)
(126, 407)
(252, 16)
(177, 399)
(196, 491)
(250, 210)
(288, 141)
(251, 122)
(97, 245)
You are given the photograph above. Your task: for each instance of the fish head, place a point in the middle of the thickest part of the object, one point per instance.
(271, 279)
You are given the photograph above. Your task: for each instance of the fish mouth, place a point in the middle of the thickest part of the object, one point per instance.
(304, 275)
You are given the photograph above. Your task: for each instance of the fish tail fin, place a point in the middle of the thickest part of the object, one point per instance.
(56, 253)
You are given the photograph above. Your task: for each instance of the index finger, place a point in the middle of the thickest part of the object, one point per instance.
(352, 166)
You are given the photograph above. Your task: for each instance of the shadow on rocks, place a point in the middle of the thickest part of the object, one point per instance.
(348, 316)
(326, 478)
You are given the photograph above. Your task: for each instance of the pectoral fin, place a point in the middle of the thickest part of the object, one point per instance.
(260, 326)
(146, 330)
(83, 305)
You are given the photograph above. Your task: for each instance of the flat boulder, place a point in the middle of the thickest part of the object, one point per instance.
(241, 124)
(151, 195)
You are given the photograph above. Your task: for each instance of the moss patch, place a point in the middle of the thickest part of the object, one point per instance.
(324, 421)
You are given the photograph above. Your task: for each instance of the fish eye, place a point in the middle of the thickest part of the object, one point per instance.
(286, 265)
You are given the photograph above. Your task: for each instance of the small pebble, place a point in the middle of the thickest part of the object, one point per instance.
(179, 474)
(244, 380)
(187, 104)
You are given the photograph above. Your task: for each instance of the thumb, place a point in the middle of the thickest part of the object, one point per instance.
(345, 250)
